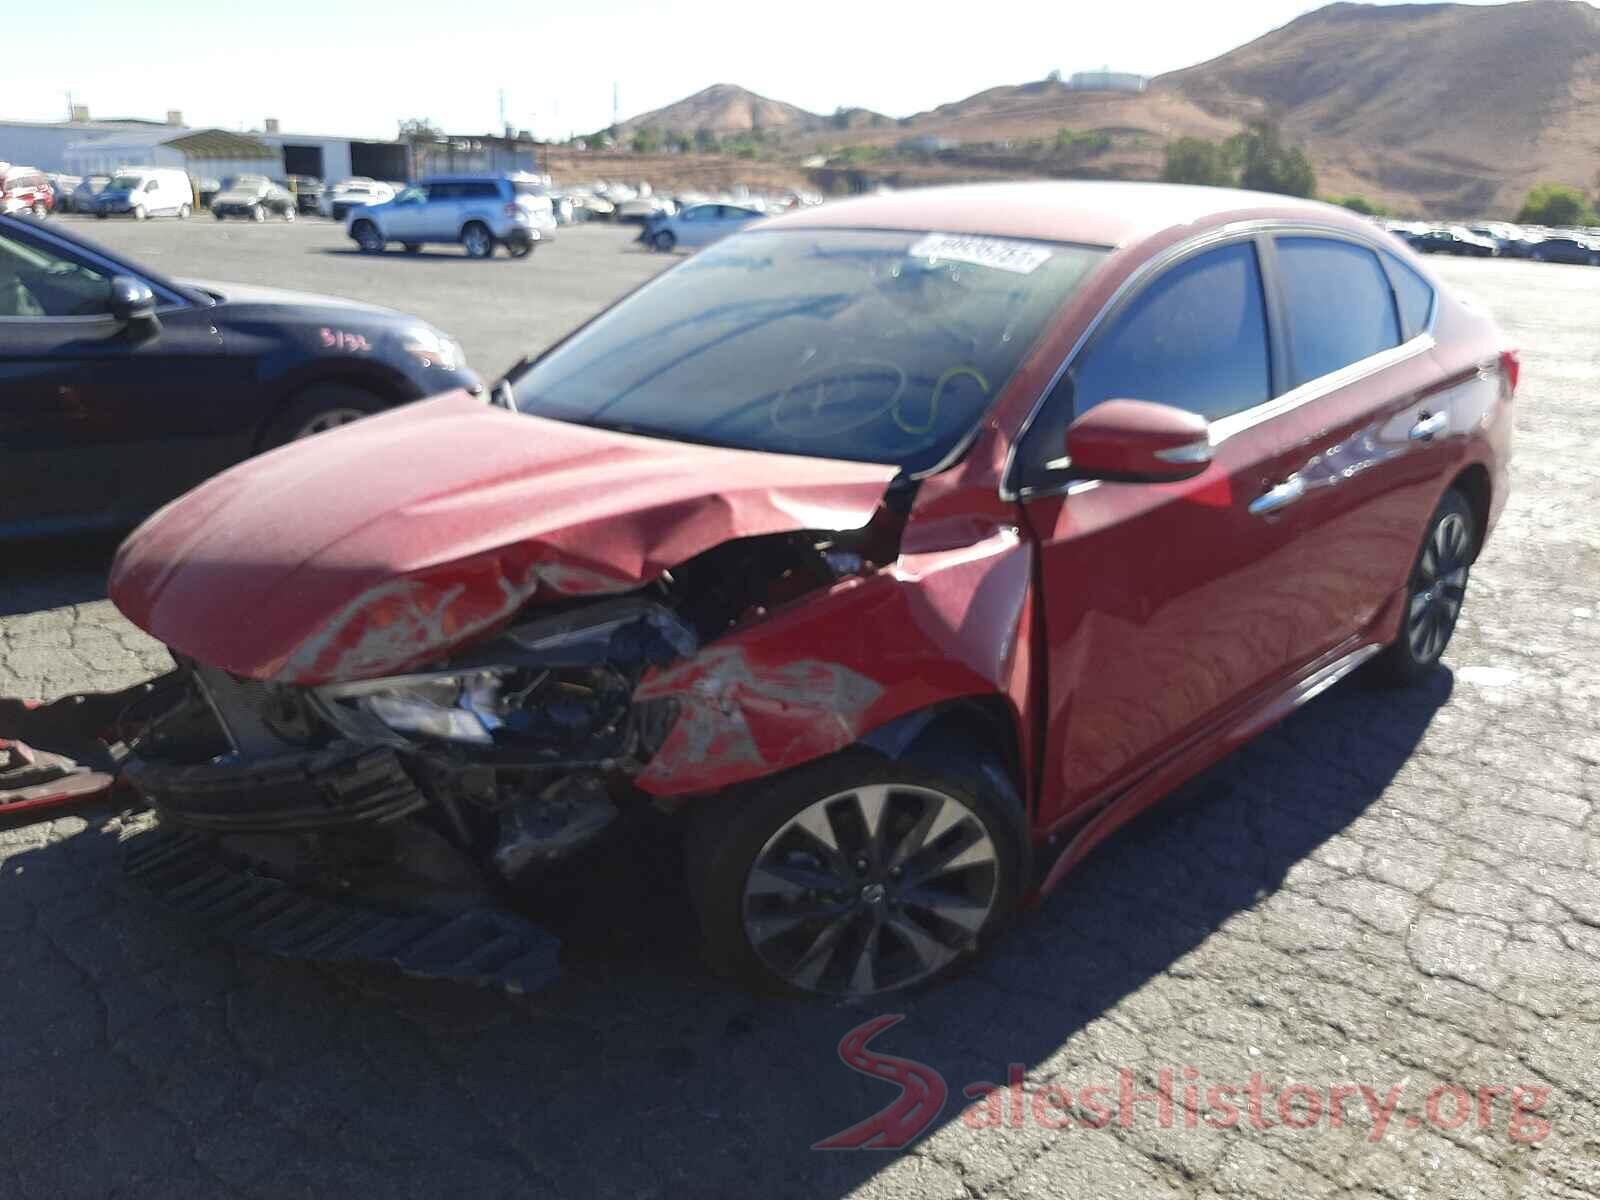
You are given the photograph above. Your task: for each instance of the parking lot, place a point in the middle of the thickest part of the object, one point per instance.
(1396, 890)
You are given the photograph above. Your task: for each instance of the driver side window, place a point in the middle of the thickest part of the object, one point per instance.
(1195, 338)
(38, 282)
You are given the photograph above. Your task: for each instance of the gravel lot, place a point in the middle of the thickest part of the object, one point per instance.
(1390, 890)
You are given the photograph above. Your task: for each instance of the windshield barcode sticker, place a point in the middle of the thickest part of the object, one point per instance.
(1020, 258)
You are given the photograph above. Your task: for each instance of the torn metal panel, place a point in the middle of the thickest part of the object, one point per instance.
(435, 523)
(943, 623)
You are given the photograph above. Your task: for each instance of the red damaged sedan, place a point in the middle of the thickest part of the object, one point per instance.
(905, 547)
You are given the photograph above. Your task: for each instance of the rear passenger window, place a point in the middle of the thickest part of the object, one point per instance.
(483, 191)
(1414, 295)
(1338, 303)
(1196, 338)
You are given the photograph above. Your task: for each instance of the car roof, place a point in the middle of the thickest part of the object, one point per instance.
(1086, 212)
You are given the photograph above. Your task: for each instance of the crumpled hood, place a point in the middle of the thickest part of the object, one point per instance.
(385, 544)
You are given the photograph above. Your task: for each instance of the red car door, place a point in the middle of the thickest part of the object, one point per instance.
(1164, 604)
(1371, 418)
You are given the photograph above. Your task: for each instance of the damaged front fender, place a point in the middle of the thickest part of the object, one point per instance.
(945, 622)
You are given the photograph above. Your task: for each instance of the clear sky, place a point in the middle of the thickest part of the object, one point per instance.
(341, 67)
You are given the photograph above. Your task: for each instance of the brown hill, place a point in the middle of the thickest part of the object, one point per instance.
(1437, 108)
(1462, 107)
(724, 108)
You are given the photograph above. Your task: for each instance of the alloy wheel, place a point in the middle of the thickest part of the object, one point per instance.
(477, 242)
(871, 889)
(329, 418)
(1438, 587)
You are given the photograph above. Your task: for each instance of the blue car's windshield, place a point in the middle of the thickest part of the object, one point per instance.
(879, 346)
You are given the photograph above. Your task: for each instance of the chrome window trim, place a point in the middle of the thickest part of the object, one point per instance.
(1237, 422)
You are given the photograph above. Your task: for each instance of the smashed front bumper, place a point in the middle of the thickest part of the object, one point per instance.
(185, 873)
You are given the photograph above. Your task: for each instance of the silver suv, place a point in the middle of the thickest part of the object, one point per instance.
(478, 212)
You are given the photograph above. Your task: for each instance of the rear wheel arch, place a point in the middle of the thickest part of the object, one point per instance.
(1473, 483)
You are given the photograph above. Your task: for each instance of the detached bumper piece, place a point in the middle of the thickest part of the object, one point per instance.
(183, 872)
(342, 785)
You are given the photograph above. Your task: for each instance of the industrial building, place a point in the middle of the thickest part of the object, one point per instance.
(1108, 81)
(83, 146)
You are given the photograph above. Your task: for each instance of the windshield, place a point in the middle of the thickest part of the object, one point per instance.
(871, 345)
(125, 183)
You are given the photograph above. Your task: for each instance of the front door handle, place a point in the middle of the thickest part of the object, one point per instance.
(1429, 426)
(1273, 499)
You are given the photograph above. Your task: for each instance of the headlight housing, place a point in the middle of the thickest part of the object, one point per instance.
(466, 706)
(432, 348)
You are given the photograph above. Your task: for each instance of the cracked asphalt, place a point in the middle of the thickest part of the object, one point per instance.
(1400, 890)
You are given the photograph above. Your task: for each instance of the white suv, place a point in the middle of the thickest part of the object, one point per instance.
(477, 212)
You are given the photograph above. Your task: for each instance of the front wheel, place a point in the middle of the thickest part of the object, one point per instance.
(368, 238)
(1434, 594)
(183, 212)
(139, 214)
(520, 247)
(477, 240)
(664, 241)
(853, 877)
(258, 214)
(288, 214)
(40, 211)
(320, 408)
(413, 247)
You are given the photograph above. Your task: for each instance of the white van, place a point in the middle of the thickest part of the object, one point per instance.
(143, 192)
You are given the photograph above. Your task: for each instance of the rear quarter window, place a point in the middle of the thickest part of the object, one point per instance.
(1413, 293)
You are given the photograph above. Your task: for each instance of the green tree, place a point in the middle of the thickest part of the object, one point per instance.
(647, 140)
(1556, 204)
(1362, 205)
(1196, 160)
(1267, 165)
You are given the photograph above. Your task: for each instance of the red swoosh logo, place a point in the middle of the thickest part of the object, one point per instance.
(921, 1099)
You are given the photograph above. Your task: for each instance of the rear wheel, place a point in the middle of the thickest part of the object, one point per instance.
(40, 211)
(1434, 594)
(413, 247)
(139, 213)
(258, 214)
(477, 240)
(321, 407)
(853, 877)
(664, 241)
(183, 212)
(288, 214)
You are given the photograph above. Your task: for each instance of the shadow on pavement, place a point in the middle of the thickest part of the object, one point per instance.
(177, 1061)
(55, 572)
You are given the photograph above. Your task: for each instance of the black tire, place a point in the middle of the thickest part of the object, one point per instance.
(183, 212)
(217, 215)
(751, 827)
(258, 214)
(476, 240)
(367, 237)
(1435, 592)
(664, 240)
(521, 247)
(413, 247)
(316, 403)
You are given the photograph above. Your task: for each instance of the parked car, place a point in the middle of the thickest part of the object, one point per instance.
(141, 192)
(61, 188)
(86, 196)
(133, 388)
(307, 193)
(1565, 250)
(25, 190)
(478, 212)
(696, 226)
(355, 192)
(255, 197)
(644, 209)
(1458, 240)
(902, 548)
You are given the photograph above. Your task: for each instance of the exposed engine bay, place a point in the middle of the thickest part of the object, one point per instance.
(478, 770)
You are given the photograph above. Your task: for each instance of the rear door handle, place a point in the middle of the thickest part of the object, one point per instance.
(1429, 426)
(1273, 499)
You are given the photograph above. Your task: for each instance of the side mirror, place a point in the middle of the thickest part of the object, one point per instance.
(1137, 441)
(132, 302)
